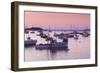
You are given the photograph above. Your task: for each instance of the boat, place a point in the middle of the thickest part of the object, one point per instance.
(42, 46)
(42, 35)
(69, 35)
(76, 36)
(26, 32)
(53, 45)
(29, 42)
(85, 34)
(32, 32)
(62, 35)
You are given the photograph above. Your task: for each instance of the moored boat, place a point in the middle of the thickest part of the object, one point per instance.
(29, 42)
(53, 45)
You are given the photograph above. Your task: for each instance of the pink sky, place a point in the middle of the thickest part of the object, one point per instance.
(57, 20)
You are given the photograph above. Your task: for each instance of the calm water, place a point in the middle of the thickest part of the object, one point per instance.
(78, 49)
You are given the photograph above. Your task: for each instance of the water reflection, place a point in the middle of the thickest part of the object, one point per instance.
(33, 54)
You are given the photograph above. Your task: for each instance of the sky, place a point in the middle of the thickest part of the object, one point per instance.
(54, 20)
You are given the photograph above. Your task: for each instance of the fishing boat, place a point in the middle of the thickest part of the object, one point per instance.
(53, 45)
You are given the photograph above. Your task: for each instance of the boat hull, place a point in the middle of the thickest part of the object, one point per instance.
(55, 46)
(30, 43)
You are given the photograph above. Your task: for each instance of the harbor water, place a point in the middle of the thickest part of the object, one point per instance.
(77, 49)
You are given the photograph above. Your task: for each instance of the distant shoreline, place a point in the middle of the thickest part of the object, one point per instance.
(41, 29)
